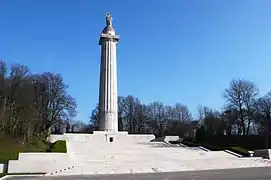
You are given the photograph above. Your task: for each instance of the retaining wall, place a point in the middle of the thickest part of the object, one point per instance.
(2, 168)
(36, 166)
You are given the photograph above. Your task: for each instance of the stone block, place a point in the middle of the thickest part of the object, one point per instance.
(171, 138)
(42, 156)
(36, 166)
(2, 168)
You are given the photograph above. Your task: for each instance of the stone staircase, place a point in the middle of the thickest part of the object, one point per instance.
(148, 157)
(123, 167)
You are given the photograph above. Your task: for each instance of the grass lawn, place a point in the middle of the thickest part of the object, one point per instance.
(58, 147)
(2, 174)
(10, 148)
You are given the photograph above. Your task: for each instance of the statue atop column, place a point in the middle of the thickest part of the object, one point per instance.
(108, 19)
(109, 27)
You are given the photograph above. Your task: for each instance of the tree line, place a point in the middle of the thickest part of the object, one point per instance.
(244, 113)
(31, 104)
(156, 117)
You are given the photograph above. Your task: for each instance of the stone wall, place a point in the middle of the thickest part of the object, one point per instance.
(42, 156)
(38, 162)
(2, 168)
(36, 166)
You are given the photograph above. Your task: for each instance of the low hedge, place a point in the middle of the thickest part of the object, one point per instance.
(189, 139)
(190, 143)
(196, 144)
(239, 150)
(236, 149)
(251, 142)
(175, 142)
(211, 147)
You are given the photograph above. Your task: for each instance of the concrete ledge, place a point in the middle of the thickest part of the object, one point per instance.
(251, 153)
(26, 175)
(2, 168)
(63, 170)
(35, 166)
(165, 139)
(172, 138)
(182, 145)
(233, 153)
(144, 137)
(42, 156)
(203, 148)
(109, 132)
(78, 137)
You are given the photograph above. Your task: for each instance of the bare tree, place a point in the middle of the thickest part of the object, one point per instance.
(179, 120)
(200, 114)
(59, 105)
(95, 118)
(230, 119)
(158, 115)
(130, 107)
(121, 112)
(213, 123)
(30, 104)
(3, 95)
(241, 95)
(263, 107)
(182, 112)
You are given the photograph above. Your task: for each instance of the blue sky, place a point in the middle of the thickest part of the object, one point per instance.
(172, 51)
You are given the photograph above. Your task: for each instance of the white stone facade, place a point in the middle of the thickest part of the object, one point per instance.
(2, 168)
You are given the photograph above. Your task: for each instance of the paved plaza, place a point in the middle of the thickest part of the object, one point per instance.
(229, 174)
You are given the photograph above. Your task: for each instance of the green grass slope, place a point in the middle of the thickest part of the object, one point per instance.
(10, 148)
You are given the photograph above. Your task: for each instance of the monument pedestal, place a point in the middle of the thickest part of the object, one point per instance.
(110, 136)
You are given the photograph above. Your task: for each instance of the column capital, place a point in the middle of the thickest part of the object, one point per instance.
(108, 37)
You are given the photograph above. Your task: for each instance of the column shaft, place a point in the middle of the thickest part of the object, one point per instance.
(108, 87)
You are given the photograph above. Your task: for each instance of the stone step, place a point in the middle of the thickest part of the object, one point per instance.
(153, 155)
(165, 166)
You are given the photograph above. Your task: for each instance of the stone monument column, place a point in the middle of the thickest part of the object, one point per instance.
(108, 95)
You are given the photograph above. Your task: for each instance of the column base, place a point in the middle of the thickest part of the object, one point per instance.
(111, 136)
(111, 132)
